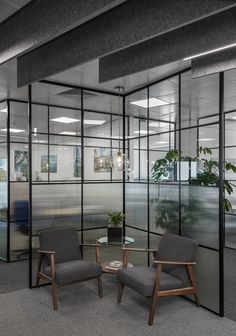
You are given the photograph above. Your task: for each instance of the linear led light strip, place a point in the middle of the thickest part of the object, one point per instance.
(210, 51)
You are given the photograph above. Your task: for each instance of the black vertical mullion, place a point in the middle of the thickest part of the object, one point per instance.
(82, 166)
(111, 171)
(30, 181)
(221, 192)
(139, 142)
(124, 123)
(8, 182)
(148, 166)
(179, 113)
(49, 144)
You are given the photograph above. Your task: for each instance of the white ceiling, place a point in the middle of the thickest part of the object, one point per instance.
(88, 75)
(9, 7)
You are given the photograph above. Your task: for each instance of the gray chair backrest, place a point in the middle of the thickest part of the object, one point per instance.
(63, 241)
(176, 248)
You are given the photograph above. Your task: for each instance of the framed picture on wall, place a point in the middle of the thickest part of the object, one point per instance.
(76, 162)
(49, 164)
(102, 160)
(21, 163)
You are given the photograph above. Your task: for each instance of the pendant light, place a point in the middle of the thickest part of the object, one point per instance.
(119, 161)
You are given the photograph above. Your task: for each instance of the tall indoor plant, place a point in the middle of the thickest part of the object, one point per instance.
(167, 211)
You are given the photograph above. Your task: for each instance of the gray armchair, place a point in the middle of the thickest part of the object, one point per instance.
(171, 273)
(60, 261)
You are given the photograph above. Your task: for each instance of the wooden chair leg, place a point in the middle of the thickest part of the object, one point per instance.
(100, 291)
(54, 286)
(155, 295)
(54, 295)
(193, 283)
(39, 269)
(153, 307)
(120, 292)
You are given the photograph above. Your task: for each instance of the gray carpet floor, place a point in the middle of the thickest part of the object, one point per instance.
(81, 312)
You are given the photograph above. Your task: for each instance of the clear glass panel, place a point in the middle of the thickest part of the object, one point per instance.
(136, 205)
(117, 127)
(164, 102)
(56, 95)
(95, 101)
(3, 181)
(164, 208)
(64, 163)
(99, 199)
(97, 125)
(56, 206)
(97, 161)
(39, 162)
(64, 121)
(19, 162)
(136, 106)
(39, 119)
(199, 98)
(18, 122)
(230, 94)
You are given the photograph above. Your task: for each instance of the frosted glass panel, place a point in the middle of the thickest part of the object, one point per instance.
(56, 206)
(99, 199)
(136, 205)
(164, 208)
(207, 277)
(200, 214)
(3, 240)
(140, 241)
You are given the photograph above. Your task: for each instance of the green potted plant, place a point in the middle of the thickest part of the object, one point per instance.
(115, 226)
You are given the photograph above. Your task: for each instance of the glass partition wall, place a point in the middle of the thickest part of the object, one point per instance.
(173, 133)
(73, 134)
(173, 139)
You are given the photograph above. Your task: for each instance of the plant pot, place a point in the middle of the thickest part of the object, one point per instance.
(115, 233)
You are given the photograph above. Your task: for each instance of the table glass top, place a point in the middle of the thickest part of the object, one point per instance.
(126, 241)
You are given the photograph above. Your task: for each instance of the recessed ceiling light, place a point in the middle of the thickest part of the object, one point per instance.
(206, 139)
(68, 133)
(94, 122)
(210, 51)
(3, 110)
(143, 132)
(153, 102)
(13, 130)
(65, 120)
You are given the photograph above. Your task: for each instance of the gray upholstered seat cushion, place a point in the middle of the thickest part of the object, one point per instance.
(142, 279)
(75, 270)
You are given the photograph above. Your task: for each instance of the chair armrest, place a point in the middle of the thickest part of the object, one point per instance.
(137, 249)
(46, 252)
(165, 262)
